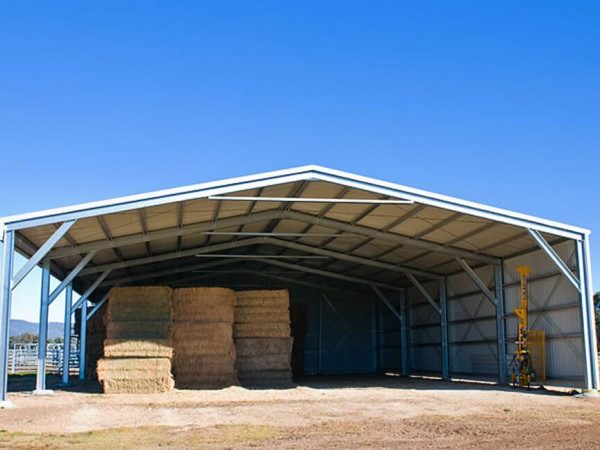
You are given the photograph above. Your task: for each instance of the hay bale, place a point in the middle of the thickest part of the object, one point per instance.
(272, 298)
(145, 386)
(261, 330)
(203, 304)
(138, 329)
(139, 303)
(281, 361)
(149, 348)
(133, 364)
(188, 333)
(257, 315)
(246, 347)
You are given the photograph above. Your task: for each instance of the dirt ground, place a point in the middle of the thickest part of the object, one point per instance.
(381, 412)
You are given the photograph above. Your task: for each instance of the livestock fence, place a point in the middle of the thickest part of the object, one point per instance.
(22, 358)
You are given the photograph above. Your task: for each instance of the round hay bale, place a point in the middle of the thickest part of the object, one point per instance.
(263, 298)
(246, 347)
(149, 329)
(264, 362)
(119, 348)
(203, 304)
(249, 330)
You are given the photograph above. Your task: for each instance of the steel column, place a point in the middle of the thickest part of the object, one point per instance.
(585, 298)
(404, 333)
(40, 384)
(67, 334)
(500, 322)
(374, 336)
(5, 300)
(591, 312)
(444, 330)
(82, 340)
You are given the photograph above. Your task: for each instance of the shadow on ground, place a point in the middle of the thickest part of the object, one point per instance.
(26, 383)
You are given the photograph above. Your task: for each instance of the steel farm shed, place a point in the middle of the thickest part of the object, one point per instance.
(382, 277)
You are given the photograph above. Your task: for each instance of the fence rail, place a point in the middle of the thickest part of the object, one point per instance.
(23, 359)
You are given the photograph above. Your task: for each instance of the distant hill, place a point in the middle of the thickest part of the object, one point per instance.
(18, 327)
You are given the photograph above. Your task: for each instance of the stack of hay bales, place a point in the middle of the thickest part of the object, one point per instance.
(137, 350)
(262, 338)
(96, 334)
(204, 352)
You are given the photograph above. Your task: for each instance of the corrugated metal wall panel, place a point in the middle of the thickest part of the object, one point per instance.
(560, 315)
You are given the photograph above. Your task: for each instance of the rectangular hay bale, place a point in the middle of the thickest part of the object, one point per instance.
(138, 330)
(250, 330)
(203, 304)
(148, 348)
(271, 298)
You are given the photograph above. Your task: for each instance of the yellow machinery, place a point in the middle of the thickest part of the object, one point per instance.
(529, 361)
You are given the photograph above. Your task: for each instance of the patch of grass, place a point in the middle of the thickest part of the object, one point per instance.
(145, 437)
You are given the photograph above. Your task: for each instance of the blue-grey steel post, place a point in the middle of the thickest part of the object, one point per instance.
(40, 384)
(591, 313)
(5, 299)
(444, 330)
(404, 333)
(67, 334)
(82, 340)
(585, 299)
(374, 336)
(500, 322)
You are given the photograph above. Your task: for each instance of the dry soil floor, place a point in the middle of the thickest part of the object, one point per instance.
(355, 412)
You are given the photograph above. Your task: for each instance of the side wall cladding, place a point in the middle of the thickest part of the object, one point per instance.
(554, 306)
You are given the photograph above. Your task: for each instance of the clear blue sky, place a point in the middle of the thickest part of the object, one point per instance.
(496, 102)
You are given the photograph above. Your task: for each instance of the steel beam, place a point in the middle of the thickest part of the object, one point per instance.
(40, 385)
(391, 237)
(327, 274)
(444, 330)
(546, 247)
(41, 252)
(67, 335)
(86, 295)
(385, 300)
(262, 240)
(6, 268)
(160, 273)
(500, 323)
(71, 276)
(478, 281)
(165, 234)
(97, 306)
(424, 293)
(350, 258)
(174, 255)
(368, 201)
